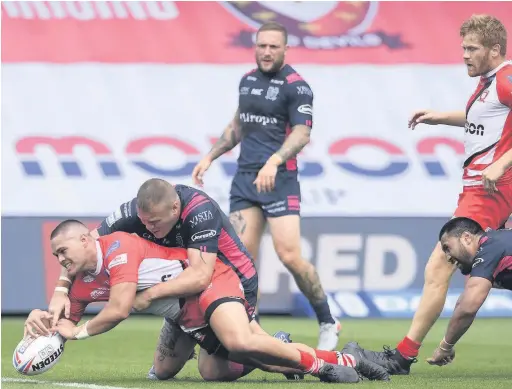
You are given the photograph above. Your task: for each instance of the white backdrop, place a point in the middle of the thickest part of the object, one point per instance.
(117, 104)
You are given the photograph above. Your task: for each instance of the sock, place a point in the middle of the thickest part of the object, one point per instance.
(309, 364)
(346, 359)
(408, 348)
(327, 356)
(323, 312)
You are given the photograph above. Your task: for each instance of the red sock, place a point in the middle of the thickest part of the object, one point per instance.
(327, 356)
(408, 348)
(309, 364)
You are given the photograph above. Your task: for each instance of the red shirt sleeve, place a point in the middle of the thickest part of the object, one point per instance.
(504, 86)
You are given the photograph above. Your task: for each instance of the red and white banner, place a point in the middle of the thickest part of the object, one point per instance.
(329, 32)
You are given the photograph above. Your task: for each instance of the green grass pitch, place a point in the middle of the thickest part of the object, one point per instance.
(122, 357)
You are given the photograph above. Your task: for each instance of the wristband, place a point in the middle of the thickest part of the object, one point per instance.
(63, 278)
(62, 289)
(82, 334)
(445, 343)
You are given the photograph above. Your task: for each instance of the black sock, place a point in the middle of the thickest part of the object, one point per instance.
(323, 312)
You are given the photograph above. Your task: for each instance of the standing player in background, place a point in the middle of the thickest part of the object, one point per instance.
(273, 123)
(487, 179)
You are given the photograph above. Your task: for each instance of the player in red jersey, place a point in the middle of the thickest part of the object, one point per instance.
(130, 263)
(487, 177)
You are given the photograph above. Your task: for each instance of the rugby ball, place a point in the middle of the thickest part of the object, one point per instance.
(34, 356)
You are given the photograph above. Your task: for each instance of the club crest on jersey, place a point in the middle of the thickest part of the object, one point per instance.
(88, 278)
(272, 93)
(315, 25)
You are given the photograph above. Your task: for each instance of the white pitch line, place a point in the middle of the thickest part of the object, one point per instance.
(65, 384)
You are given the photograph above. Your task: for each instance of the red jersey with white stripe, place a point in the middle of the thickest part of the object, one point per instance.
(488, 129)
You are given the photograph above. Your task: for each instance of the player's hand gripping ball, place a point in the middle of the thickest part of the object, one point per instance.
(34, 356)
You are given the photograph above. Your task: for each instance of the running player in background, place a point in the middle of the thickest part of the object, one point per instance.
(272, 124)
(487, 178)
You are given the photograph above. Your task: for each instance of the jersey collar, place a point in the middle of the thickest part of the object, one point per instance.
(99, 257)
(496, 69)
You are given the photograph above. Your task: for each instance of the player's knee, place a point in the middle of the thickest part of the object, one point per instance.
(290, 256)
(229, 371)
(165, 372)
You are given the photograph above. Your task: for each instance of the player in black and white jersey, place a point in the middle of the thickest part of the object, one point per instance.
(273, 123)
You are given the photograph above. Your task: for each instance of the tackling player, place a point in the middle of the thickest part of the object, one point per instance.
(128, 263)
(486, 256)
(178, 216)
(272, 124)
(487, 178)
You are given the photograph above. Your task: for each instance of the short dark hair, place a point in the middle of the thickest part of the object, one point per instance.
(274, 26)
(64, 226)
(457, 226)
(155, 191)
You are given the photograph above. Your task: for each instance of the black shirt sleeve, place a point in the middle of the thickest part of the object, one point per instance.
(487, 259)
(300, 103)
(123, 219)
(204, 226)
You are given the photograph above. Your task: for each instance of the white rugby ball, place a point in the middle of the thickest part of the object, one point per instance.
(34, 356)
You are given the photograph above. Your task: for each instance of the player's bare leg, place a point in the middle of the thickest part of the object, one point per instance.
(249, 224)
(173, 350)
(286, 236)
(438, 273)
(230, 323)
(214, 368)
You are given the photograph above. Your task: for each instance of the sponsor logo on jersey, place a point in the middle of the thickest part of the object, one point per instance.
(115, 216)
(97, 293)
(306, 109)
(121, 259)
(263, 120)
(304, 90)
(206, 234)
(201, 217)
(477, 262)
(474, 129)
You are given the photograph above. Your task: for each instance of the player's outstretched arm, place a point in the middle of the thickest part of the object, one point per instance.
(426, 116)
(231, 136)
(116, 310)
(476, 291)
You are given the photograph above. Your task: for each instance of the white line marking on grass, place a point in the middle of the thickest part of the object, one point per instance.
(65, 384)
